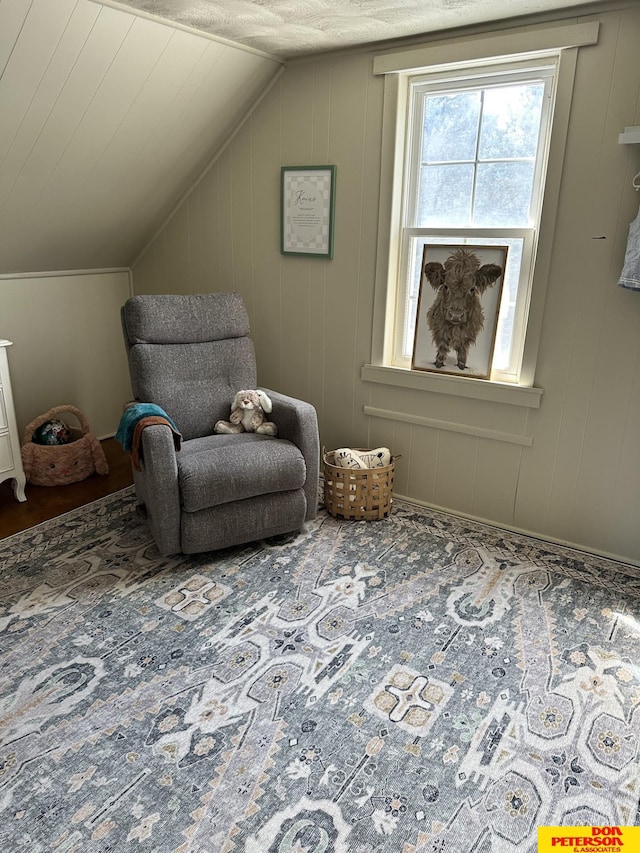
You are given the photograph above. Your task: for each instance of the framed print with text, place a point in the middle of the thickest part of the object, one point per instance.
(306, 217)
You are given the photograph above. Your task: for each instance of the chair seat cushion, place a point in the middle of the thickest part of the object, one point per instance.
(221, 469)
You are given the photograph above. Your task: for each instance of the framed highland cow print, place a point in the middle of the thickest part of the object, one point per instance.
(458, 306)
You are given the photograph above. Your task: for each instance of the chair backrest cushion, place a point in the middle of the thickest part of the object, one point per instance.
(188, 319)
(189, 355)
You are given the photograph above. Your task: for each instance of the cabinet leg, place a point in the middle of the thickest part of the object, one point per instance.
(18, 488)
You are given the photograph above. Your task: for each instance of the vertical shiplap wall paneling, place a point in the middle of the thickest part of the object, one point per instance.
(494, 497)
(626, 464)
(150, 270)
(371, 161)
(549, 468)
(623, 537)
(295, 326)
(178, 250)
(195, 272)
(416, 471)
(226, 268)
(397, 435)
(319, 319)
(211, 239)
(399, 438)
(457, 459)
(296, 150)
(422, 470)
(242, 201)
(344, 298)
(204, 218)
(581, 296)
(596, 406)
(266, 130)
(587, 280)
(78, 357)
(617, 344)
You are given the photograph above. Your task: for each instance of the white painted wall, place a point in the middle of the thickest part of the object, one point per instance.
(67, 345)
(579, 482)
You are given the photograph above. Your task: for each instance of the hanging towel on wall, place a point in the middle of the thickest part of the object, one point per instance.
(630, 276)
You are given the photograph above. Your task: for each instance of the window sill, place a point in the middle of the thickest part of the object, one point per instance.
(479, 389)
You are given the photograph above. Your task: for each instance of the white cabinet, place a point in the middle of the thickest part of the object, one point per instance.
(10, 457)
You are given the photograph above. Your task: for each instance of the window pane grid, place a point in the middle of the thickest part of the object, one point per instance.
(490, 139)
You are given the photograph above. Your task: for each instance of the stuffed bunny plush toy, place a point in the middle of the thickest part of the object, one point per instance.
(248, 415)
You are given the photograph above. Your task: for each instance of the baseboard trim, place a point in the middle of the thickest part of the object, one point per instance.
(552, 540)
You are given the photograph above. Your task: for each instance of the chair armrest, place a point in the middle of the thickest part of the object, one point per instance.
(158, 483)
(297, 422)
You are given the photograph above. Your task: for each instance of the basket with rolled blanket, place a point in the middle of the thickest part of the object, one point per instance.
(61, 463)
(358, 483)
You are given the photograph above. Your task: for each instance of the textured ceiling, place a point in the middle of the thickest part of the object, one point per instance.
(289, 28)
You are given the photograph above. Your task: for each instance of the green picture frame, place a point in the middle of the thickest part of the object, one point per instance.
(307, 202)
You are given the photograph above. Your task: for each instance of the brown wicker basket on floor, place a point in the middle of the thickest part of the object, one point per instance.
(363, 494)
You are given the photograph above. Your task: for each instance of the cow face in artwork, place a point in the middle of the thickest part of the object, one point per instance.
(456, 317)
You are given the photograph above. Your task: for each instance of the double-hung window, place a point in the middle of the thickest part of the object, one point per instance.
(474, 172)
(469, 151)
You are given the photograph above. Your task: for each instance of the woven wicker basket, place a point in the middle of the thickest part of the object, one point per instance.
(364, 494)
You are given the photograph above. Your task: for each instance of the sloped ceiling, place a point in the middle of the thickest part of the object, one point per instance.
(109, 111)
(106, 119)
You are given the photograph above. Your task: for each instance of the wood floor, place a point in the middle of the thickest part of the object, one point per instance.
(44, 502)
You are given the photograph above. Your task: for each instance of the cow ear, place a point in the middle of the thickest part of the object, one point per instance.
(434, 273)
(487, 275)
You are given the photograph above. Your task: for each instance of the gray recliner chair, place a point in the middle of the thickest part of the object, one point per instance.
(189, 355)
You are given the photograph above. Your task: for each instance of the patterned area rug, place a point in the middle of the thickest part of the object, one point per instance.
(422, 684)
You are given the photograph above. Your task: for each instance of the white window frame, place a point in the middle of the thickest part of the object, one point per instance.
(543, 70)
(561, 42)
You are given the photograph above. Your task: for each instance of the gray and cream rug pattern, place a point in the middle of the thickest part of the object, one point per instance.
(422, 684)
